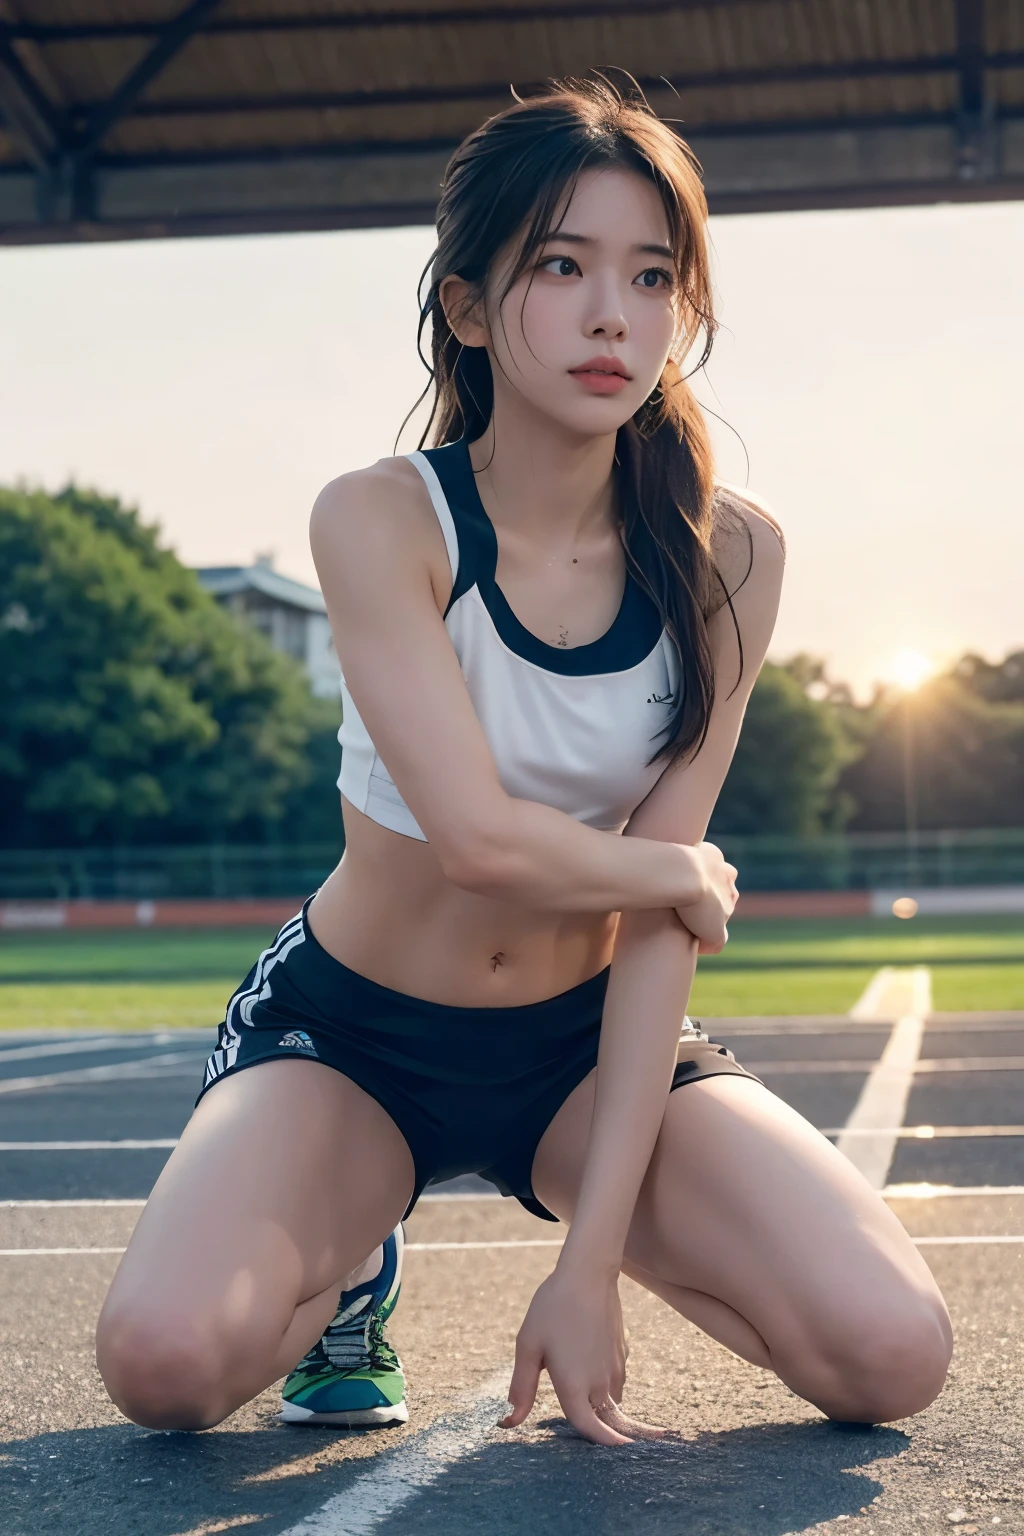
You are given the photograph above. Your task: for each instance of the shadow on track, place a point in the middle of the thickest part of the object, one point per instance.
(769, 1480)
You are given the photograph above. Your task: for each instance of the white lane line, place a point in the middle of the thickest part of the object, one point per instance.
(518, 1242)
(890, 1192)
(944, 1191)
(868, 1008)
(36, 1253)
(892, 992)
(528, 1242)
(882, 1103)
(86, 1146)
(152, 1066)
(398, 1475)
(930, 1132)
(971, 1064)
(77, 1047)
(823, 1066)
(63, 1205)
(934, 1242)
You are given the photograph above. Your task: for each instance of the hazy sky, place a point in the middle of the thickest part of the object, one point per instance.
(871, 362)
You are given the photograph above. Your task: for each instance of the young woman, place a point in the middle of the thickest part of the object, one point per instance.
(549, 626)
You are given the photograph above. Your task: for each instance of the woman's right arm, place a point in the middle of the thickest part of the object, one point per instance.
(384, 572)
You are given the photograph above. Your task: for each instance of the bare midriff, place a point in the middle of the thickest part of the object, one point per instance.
(389, 912)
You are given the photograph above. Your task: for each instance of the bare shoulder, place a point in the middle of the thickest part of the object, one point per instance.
(747, 543)
(383, 508)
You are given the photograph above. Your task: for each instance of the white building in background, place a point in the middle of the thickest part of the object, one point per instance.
(291, 615)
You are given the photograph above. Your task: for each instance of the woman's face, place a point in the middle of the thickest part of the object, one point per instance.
(585, 332)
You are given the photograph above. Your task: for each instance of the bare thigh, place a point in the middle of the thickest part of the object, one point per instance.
(751, 1224)
(285, 1178)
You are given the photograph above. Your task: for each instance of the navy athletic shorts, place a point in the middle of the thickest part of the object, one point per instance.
(472, 1090)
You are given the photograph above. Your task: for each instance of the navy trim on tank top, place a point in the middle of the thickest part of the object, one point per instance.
(634, 633)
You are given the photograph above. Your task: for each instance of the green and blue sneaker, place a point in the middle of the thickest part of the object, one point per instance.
(352, 1377)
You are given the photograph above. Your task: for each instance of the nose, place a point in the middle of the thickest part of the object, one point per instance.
(607, 319)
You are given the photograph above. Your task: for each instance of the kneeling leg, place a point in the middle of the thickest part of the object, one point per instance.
(755, 1228)
(285, 1178)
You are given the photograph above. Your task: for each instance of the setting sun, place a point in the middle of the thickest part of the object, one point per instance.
(908, 669)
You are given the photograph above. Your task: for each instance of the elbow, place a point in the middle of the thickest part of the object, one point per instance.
(482, 860)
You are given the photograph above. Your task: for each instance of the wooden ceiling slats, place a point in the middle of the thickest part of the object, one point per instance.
(358, 79)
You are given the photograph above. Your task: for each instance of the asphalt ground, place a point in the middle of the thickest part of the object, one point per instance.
(753, 1460)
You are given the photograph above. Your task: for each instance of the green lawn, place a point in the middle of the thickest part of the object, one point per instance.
(124, 978)
(175, 978)
(105, 1005)
(873, 941)
(149, 954)
(779, 965)
(791, 989)
(977, 988)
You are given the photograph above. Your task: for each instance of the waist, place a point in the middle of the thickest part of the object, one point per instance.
(389, 914)
(354, 992)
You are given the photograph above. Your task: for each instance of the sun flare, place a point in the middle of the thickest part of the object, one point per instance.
(908, 669)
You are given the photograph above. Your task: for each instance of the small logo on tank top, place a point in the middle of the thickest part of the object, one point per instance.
(298, 1040)
(659, 698)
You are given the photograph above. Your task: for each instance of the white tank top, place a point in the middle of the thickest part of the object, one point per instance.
(575, 728)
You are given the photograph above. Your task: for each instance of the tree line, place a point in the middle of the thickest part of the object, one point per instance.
(134, 710)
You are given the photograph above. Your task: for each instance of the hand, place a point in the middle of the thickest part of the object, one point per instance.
(573, 1330)
(708, 916)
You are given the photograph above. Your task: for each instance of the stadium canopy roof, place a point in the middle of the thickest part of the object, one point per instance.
(123, 118)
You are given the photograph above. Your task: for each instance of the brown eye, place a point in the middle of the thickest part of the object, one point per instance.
(561, 266)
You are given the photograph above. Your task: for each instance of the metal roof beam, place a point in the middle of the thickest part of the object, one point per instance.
(388, 149)
(173, 37)
(976, 116)
(970, 52)
(32, 119)
(860, 164)
(427, 95)
(486, 15)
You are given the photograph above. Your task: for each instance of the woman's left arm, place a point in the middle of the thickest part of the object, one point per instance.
(573, 1327)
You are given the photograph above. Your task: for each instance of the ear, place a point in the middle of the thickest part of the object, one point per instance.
(464, 310)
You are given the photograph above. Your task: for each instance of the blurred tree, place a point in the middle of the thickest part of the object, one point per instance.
(799, 732)
(1000, 682)
(968, 733)
(132, 708)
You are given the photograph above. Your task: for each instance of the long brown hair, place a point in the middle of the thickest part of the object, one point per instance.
(513, 178)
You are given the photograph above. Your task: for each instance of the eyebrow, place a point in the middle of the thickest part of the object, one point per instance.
(647, 250)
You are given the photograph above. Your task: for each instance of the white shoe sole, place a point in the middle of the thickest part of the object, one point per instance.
(353, 1418)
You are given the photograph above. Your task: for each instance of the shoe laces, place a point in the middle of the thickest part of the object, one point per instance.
(359, 1344)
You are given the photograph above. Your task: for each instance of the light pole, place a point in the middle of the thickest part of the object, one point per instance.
(910, 791)
(908, 670)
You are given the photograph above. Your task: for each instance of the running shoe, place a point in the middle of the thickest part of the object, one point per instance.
(352, 1377)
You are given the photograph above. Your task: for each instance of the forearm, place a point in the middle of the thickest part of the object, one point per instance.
(652, 972)
(538, 857)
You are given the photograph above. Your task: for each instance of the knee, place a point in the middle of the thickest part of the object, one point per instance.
(888, 1365)
(161, 1371)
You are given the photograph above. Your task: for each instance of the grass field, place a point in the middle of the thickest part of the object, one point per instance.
(181, 978)
(780, 966)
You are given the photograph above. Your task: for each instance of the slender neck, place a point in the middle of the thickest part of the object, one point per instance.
(541, 483)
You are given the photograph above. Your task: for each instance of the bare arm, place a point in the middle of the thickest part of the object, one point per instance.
(655, 955)
(385, 577)
(652, 970)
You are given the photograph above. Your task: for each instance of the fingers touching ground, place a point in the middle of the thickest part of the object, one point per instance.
(522, 1392)
(602, 1422)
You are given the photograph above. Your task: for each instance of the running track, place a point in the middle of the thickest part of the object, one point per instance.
(938, 1101)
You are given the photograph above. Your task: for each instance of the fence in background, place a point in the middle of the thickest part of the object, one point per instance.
(878, 860)
(219, 870)
(857, 861)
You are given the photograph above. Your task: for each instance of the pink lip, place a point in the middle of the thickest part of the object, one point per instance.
(602, 375)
